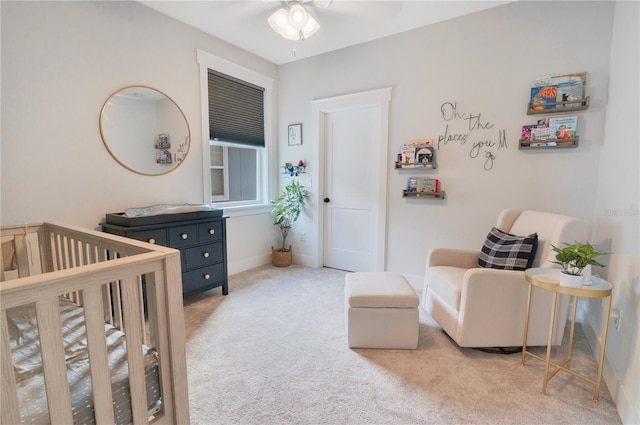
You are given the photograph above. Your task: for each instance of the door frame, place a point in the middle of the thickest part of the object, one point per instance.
(379, 98)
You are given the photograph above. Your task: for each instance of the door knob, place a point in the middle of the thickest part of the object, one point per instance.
(326, 200)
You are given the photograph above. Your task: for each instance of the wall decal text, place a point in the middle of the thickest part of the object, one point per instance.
(468, 127)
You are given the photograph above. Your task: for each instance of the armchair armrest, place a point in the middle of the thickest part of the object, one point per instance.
(485, 289)
(486, 279)
(466, 259)
(492, 307)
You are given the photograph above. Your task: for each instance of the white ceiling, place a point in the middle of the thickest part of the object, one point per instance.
(343, 23)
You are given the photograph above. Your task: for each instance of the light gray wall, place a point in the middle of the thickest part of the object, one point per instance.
(617, 217)
(60, 62)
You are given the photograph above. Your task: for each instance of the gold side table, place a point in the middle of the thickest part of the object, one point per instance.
(548, 279)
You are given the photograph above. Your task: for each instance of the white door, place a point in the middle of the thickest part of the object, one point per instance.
(352, 189)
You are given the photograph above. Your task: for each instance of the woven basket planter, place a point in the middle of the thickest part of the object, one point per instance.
(280, 257)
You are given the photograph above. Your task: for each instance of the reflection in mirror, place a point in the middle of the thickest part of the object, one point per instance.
(144, 130)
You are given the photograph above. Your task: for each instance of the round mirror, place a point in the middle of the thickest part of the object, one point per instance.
(144, 130)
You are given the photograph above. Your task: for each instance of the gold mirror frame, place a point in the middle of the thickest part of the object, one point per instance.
(177, 147)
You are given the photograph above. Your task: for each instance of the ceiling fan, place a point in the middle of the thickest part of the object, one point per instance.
(294, 22)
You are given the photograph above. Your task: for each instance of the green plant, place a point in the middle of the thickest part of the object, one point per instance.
(575, 257)
(286, 208)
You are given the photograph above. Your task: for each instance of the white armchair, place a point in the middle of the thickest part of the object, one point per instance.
(485, 307)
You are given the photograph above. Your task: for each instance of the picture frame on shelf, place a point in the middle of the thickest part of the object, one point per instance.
(295, 134)
(163, 141)
(164, 156)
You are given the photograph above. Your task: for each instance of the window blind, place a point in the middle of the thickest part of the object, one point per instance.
(236, 110)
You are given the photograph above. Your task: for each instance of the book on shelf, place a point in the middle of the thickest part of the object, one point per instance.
(542, 132)
(563, 127)
(417, 154)
(408, 156)
(569, 94)
(543, 97)
(423, 185)
(526, 131)
(551, 91)
(424, 156)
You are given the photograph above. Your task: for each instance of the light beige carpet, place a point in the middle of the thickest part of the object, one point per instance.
(274, 351)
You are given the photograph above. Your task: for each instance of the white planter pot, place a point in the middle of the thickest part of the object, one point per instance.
(586, 272)
(570, 280)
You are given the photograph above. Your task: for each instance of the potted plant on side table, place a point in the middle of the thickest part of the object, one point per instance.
(574, 258)
(286, 209)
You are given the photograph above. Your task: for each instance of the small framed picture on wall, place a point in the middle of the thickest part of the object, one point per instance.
(295, 134)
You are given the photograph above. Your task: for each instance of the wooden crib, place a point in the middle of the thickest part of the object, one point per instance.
(116, 294)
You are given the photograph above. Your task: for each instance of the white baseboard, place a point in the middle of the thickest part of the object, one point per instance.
(234, 267)
(303, 260)
(626, 409)
(245, 264)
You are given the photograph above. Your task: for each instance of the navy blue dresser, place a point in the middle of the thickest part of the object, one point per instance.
(201, 237)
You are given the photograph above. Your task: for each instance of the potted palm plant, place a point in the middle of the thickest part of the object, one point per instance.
(286, 209)
(574, 258)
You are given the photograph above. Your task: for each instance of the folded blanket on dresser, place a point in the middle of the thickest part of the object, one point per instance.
(164, 209)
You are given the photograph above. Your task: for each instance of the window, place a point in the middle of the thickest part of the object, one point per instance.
(234, 172)
(236, 110)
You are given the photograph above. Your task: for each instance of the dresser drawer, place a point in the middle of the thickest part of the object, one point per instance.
(157, 236)
(182, 236)
(203, 255)
(210, 232)
(205, 277)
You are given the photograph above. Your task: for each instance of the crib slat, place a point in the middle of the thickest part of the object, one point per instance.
(160, 340)
(44, 240)
(99, 363)
(56, 251)
(152, 302)
(53, 362)
(132, 318)
(21, 255)
(116, 304)
(77, 253)
(10, 407)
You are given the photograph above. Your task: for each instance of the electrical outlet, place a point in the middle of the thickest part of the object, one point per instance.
(303, 236)
(619, 322)
(616, 316)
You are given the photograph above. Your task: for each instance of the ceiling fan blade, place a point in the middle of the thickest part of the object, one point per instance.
(358, 9)
(321, 4)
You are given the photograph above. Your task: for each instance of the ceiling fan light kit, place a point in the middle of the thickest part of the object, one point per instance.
(294, 23)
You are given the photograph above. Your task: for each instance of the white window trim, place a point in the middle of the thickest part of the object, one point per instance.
(208, 61)
(225, 172)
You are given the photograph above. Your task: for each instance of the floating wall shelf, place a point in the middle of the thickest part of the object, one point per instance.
(548, 144)
(558, 107)
(415, 166)
(423, 195)
(294, 170)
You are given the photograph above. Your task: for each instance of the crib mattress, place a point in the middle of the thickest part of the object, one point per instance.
(25, 349)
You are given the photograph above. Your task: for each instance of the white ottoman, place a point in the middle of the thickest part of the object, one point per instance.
(381, 311)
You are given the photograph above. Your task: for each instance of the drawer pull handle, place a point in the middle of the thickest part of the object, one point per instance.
(184, 236)
(206, 276)
(211, 231)
(151, 240)
(205, 254)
